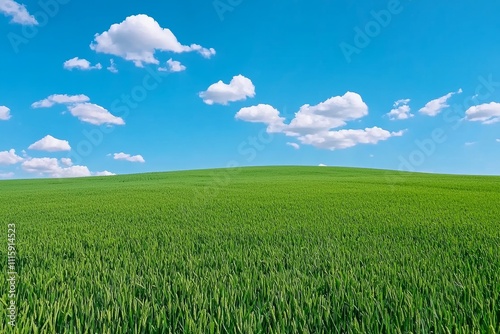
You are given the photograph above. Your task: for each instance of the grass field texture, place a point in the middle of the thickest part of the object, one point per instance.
(255, 250)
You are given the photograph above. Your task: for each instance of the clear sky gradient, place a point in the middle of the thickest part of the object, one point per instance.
(410, 85)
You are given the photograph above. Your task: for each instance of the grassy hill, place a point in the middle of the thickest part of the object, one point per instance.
(255, 250)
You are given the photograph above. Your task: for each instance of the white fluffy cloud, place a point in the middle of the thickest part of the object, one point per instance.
(332, 113)
(173, 66)
(128, 157)
(401, 110)
(137, 39)
(294, 145)
(60, 99)
(238, 89)
(9, 157)
(94, 114)
(435, 107)
(18, 12)
(6, 175)
(51, 167)
(312, 125)
(79, 107)
(487, 113)
(80, 64)
(342, 139)
(262, 113)
(4, 113)
(50, 144)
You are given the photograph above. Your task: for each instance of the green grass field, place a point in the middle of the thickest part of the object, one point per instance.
(255, 250)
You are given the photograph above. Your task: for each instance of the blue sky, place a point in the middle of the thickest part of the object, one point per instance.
(409, 85)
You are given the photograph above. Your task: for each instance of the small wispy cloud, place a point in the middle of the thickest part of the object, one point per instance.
(17, 12)
(172, 66)
(128, 157)
(80, 64)
(434, 107)
(112, 66)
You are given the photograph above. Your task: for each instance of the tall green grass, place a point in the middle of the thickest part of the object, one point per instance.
(255, 250)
